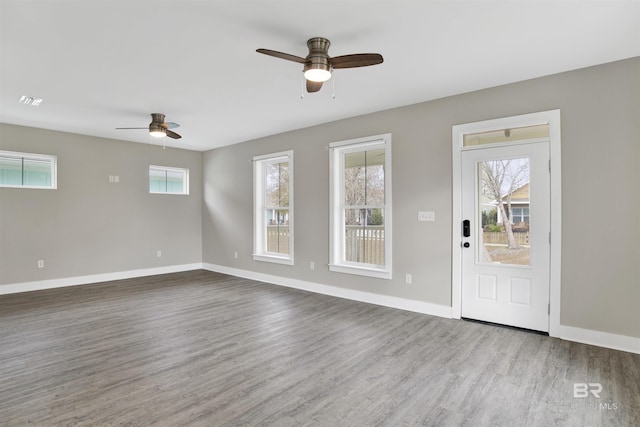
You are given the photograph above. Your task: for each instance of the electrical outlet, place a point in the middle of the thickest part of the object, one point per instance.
(235, 254)
(312, 265)
(408, 279)
(40, 263)
(159, 253)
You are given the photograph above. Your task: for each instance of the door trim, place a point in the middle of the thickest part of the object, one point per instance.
(552, 118)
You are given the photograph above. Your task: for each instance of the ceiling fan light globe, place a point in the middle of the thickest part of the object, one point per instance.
(157, 133)
(317, 75)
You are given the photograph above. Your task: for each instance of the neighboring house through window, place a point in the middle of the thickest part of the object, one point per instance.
(360, 194)
(273, 208)
(519, 207)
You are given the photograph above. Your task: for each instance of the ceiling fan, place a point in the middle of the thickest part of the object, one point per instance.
(158, 128)
(318, 65)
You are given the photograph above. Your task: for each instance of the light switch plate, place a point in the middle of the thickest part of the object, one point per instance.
(426, 216)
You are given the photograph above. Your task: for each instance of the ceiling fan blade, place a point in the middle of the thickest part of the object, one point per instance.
(173, 135)
(356, 60)
(313, 86)
(282, 55)
(171, 125)
(132, 128)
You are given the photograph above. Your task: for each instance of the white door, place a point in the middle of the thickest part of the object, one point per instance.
(505, 247)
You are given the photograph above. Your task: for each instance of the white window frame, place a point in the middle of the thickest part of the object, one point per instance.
(259, 220)
(337, 261)
(185, 179)
(51, 160)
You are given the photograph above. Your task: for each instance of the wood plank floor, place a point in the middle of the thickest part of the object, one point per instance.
(202, 348)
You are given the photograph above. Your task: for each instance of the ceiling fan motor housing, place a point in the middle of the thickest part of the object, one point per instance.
(156, 127)
(157, 118)
(318, 58)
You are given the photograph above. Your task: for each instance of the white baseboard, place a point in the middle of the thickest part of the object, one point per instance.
(361, 296)
(14, 288)
(585, 336)
(600, 339)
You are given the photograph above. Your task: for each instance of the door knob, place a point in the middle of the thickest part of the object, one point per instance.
(466, 244)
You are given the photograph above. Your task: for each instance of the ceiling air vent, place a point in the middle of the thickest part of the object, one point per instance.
(29, 100)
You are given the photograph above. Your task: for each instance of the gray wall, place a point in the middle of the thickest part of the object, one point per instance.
(89, 225)
(600, 192)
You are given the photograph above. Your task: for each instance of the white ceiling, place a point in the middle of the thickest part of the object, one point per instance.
(102, 64)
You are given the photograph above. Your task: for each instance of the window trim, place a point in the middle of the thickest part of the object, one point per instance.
(53, 168)
(185, 181)
(259, 225)
(336, 210)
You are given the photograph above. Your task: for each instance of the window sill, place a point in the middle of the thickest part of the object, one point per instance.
(29, 187)
(361, 271)
(273, 259)
(168, 194)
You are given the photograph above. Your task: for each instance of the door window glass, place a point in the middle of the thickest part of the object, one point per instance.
(503, 207)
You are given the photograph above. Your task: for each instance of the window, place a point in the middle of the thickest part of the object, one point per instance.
(24, 170)
(273, 208)
(360, 202)
(507, 135)
(166, 180)
(520, 215)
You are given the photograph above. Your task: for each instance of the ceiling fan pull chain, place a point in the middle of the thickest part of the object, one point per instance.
(333, 87)
(302, 83)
